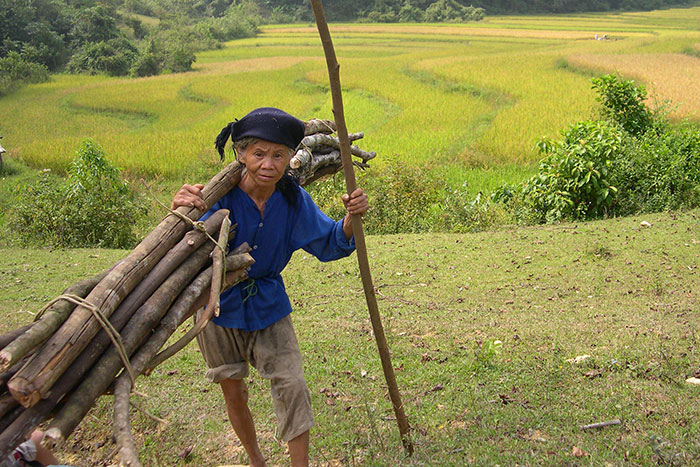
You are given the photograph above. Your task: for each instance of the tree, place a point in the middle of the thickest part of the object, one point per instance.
(94, 24)
(114, 57)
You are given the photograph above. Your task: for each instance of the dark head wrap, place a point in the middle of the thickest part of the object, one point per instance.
(265, 123)
(268, 124)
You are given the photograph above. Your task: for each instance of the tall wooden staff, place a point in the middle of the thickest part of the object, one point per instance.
(334, 77)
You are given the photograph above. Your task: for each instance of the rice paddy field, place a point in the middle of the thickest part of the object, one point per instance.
(469, 100)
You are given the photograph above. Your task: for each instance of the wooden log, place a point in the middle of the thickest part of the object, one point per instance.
(322, 172)
(218, 266)
(317, 141)
(6, 375)
(134, 333)
(324, 160)
(5, 423)
(34, 381)
(217, 279)
(122, 427)
(617, 421)
(83, 363)
(358, 233)
(122, 315)
(145, 356)
(51, 320)
(316, 125)
(185, 247)
(7, 404)
(302, 158)
(241, 262)
(42, 410)
(10, 336)
(61, 427)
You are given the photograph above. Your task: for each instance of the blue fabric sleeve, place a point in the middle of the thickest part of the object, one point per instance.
(318, 234)
(211, 211)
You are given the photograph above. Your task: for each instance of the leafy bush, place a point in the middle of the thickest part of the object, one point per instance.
(573, 180)
(147, 64)
(660, 171)
(410, 14)
(402, 198)
(623, 103)
(457, 211)
(15, 71)
(634, 162)
(114, 57)
(95, 207)
(94, 24)
(443, 11)
(408, 199)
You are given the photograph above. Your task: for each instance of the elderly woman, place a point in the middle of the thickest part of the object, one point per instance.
(276, 217)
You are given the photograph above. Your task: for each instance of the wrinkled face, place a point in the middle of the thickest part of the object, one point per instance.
(265, 162)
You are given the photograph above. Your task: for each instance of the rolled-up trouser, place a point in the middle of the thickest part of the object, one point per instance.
(274, 352)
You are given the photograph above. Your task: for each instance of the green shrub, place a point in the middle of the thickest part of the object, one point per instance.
(147, 64)
(16, 71)
(660, 171)
(623, 103)
(401, 198)
(114, 57)
(573, 180)
(459, 212)
(95, 207)
(635, 162)
(443, 11)
(410, 14)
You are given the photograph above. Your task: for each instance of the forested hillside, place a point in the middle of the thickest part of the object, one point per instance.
(149, 37)
(113, 37)
(403, 9)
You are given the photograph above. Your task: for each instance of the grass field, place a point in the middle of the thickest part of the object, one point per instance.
(470, 99)
(465, 100)
(624, 294)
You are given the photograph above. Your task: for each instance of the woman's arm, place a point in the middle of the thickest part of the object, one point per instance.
(355, 203)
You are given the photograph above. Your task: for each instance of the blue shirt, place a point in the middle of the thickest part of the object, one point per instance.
(284, 229)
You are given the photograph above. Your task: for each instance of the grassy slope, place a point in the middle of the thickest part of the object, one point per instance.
(615, 290)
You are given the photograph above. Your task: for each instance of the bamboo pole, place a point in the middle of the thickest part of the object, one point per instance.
(358, 233)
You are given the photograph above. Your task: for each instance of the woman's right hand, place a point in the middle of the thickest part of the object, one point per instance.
(190, 196)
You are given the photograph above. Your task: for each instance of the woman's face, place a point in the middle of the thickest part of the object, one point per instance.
(265, 162)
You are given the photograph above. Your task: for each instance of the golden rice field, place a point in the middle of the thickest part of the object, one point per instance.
(470, 100)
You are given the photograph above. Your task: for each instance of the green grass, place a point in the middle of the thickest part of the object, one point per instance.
(622, 293)
(469, 98)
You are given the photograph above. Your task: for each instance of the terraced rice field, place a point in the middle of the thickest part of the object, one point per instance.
(469, 100)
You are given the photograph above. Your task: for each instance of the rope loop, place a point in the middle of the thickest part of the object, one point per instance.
(112, 333)
(197, 225)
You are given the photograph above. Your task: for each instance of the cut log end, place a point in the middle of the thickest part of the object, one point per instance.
(53, 438)
(24, 391)
(5, 359)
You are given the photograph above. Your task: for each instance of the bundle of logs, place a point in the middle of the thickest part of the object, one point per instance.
(103, 332)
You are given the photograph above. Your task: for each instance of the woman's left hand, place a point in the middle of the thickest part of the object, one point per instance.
(355, 203)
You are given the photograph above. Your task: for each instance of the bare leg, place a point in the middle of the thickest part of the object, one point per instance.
(299, 450)
(236, 396)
